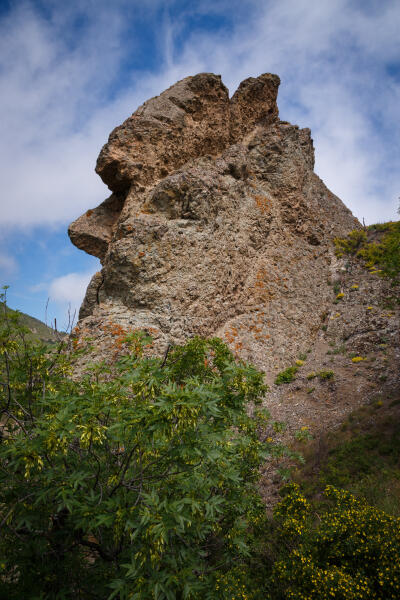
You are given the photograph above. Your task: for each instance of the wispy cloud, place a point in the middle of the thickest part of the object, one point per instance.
(55, 78)
(69, 288)
(68, 291)
(333, 59)
(8, 266)
(66, 87)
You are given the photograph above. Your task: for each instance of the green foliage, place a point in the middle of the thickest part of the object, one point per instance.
(324, 375)
(139, 485)
(385, 253)
(286, 376)
(350, 245)
(349, 550)
(35, 329)
(363, 456)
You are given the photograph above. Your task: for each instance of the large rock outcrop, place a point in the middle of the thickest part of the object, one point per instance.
(216, 224)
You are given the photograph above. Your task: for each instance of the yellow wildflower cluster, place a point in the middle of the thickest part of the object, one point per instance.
(357, 359)
(352, 553)
(234, 585)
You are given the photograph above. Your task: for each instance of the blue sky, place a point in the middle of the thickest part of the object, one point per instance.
(71, 71)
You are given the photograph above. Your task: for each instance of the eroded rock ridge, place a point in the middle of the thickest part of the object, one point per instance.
(216, 225)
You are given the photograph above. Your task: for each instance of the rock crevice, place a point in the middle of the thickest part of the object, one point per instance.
(216, 224)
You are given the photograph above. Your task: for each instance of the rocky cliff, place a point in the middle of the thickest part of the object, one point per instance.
(216, 224)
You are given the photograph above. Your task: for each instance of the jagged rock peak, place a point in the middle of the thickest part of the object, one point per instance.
(216, 223)
(192, 118)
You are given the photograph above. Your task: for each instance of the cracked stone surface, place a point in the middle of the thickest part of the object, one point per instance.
(216, 225)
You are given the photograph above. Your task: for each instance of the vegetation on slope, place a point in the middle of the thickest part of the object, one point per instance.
(363, 457)
(37, 330)
(378, 245)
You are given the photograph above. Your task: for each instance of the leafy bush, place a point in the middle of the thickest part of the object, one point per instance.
(286, 376)
(135, 485)
(350, 551)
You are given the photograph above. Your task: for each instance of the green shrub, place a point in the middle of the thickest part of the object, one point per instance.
(350, 551)
(350, 245)
(323, 375)
(286, 376)
(139, 485)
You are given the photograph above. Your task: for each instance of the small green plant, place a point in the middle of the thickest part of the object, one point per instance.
(311, 375)
(303, 434)
(324, 375)
(339, 349)
(286, 376)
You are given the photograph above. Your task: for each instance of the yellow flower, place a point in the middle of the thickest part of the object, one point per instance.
(357, 359)
(339, 296)
(299, 362)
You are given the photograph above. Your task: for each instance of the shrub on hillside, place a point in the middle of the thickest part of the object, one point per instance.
(350, 550)
(286, 376)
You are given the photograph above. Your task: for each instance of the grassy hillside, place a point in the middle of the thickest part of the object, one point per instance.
(363, 457)
(39, 330)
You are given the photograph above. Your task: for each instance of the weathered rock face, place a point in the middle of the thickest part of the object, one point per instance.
(217, 224)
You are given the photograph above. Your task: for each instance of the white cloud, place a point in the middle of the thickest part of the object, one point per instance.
(56, 83)
(70, 288)
(8, 267)
(68, 291)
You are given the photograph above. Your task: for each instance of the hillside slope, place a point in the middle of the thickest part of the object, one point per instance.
(352, 371)
(39, 330)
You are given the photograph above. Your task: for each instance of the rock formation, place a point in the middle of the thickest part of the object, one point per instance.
(216, 224)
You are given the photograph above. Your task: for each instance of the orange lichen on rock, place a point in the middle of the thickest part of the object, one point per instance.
(215, 212)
